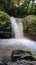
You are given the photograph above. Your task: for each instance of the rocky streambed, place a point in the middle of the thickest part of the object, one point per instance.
(14, 59)
(22, 62)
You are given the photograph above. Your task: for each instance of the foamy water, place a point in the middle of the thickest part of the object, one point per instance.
(16, 27)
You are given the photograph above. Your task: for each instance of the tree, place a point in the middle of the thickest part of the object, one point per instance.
(18, 8)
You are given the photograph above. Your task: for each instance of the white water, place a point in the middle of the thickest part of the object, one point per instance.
(20, 25)
(8, 45)
(16, 27)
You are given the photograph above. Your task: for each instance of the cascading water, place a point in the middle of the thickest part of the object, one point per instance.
(20, 25)
(8, 45)
(16, 27)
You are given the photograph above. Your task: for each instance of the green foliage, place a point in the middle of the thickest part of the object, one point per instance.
(15, 9)
(29, 26)
(5, 28)
(22, 51)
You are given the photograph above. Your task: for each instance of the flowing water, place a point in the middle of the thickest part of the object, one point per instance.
(8, 45)
(16, 27)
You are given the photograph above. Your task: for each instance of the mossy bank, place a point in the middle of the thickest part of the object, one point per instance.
(5, 25)
(29, 27)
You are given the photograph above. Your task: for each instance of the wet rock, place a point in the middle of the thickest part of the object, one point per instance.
(1, 63)
(22, 62)
(21, 55)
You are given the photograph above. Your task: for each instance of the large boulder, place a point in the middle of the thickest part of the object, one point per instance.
(29, 27)
(21, 55)
(5, 25)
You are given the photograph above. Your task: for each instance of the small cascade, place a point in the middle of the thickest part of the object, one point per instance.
(16, 27)
(20, 25)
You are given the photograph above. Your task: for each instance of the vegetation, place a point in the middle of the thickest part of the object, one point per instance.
(29, 26)
(21, 55)
(5, 28)
(18, 8)
(22, 8)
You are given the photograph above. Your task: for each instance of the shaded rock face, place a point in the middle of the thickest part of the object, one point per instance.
(21, 55)
(29, 27)
(5, 25)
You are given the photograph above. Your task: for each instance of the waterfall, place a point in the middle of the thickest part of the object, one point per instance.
(16, 27)
(20, 25)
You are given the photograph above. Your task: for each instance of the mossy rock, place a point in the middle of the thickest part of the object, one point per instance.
(21, 55)
(29, 27)
(5, 25)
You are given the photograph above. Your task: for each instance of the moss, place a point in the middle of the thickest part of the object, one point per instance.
(5, 28)
(29, 27)
(21, 55)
